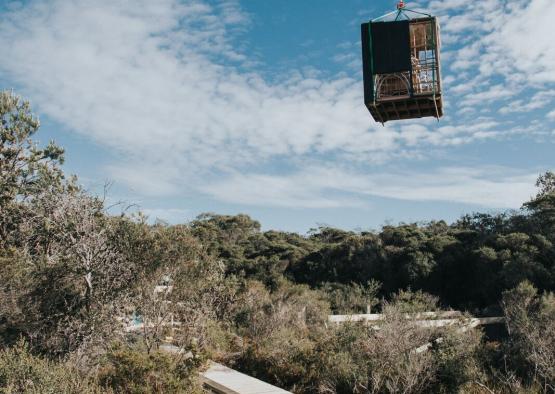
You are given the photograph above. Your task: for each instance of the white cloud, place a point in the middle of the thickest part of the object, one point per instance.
(487, 186)
(305, 189)
(493, 93)
(537, 101)
(510, 40)
(170, 215)
(159, 179)
(438, 6)
(525, 40)
(144, 79)
(500, 54)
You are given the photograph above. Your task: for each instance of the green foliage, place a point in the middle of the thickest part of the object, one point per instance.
(248, 252)
(457, 360)
(530, 320)
(72, 279)
(132, 371)
(349, 258)
(320, 360)
(22, 372)
(25, 169)
(544, 201)
(467, 265)
(414, 302)
(353, 298)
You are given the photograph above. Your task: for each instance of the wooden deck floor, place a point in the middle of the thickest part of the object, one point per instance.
(223, 380)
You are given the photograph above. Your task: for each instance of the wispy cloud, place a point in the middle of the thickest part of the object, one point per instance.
(317, 187)
(537, 101)
(509, 40)
(170, 215)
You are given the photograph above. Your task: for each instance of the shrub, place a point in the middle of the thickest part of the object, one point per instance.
(22, 372)
(530, 320)
(127, 370)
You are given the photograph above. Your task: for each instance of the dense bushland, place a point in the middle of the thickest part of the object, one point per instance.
(74, 279)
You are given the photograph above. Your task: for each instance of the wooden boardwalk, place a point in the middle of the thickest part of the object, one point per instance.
(423, 319)
(220, 379)
(376, 317)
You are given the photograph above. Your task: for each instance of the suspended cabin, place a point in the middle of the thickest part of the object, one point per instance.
(401, 66)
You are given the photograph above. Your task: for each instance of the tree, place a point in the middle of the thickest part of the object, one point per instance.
(25, 169)
(543, 205)
(546, 183)
(76, 280)
(530, 320)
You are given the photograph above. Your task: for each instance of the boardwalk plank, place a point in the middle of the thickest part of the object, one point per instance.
(223, 380)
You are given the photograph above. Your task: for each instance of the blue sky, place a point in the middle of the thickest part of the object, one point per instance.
(256, 107)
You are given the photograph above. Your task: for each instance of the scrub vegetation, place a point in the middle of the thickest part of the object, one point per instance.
(74, 279)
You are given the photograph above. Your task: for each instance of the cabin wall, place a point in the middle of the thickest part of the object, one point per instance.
(367, 71)
(390, 47)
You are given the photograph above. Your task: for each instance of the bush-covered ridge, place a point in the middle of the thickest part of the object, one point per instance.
(72, 278)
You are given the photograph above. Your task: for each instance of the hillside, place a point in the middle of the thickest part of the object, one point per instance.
(73, 277)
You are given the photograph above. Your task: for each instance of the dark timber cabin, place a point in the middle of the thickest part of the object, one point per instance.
(401, 66)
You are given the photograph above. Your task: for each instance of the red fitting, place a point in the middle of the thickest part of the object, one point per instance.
(400, 5)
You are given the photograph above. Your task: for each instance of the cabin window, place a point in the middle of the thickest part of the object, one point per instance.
(423, 57)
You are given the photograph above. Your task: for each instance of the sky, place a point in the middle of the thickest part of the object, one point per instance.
(256, 107)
